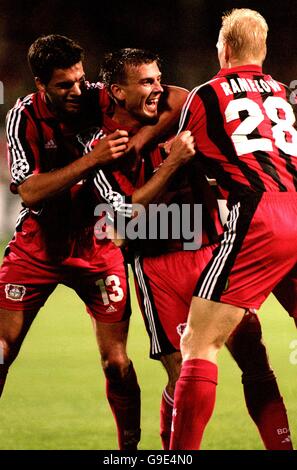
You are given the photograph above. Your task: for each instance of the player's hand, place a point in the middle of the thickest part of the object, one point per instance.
(182, 148)
(166, 146)
(111, 147)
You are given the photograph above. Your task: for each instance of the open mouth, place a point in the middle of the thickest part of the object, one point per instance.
(152, 104)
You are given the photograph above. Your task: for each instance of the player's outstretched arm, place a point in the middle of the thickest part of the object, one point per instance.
(39, 187)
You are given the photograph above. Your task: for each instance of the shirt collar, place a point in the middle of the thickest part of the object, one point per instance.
(43, 111)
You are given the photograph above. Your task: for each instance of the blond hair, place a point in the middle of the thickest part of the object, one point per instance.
(245, 31)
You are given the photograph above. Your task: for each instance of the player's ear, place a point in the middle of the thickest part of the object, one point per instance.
(39, 85)
(227, 52)
(118, 92)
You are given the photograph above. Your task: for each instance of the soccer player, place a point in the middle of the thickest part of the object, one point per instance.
(166, 275)
(54, 240)
(243, 127)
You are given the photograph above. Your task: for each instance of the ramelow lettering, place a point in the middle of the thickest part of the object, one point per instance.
(218, 262)
(239, 85)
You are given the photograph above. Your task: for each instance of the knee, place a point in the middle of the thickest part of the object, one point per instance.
(116, 367)
(247, 348)
(194, 345)
(174, 371)
(187, 341)
(173, 368)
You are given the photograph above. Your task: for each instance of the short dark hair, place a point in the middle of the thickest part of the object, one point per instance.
(53, 52)
(114, 66)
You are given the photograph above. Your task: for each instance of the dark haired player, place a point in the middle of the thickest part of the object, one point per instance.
(54, 241)
(165, 273)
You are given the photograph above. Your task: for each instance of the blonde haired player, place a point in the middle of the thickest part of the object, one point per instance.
(243, 126)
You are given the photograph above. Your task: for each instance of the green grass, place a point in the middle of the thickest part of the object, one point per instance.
(55, 399)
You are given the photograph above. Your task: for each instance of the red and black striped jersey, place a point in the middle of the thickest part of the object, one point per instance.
(116, 183)
(37, 143)
(243, 124)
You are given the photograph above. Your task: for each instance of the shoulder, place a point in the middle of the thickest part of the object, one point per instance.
(21, 108)
(23, 103)
(199, 90)
(197, 93)
(21, 118)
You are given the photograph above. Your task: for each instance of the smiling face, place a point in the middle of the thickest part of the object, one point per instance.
(140, 94)
(64, 90)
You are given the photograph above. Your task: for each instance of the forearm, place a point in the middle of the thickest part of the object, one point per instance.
(41, 186)
(157, 185)
(182, 149)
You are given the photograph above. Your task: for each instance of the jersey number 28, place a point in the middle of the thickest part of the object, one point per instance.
(283, 126)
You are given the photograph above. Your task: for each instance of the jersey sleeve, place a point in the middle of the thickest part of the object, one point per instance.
(114, 188)
(22, 145)
(192, 115)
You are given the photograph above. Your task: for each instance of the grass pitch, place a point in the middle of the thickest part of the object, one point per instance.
(55, 393)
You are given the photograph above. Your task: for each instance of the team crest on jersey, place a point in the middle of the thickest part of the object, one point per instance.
(15, 292)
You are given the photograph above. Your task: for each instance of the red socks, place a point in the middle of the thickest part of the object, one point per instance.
(194, 401)
(166, 419)
(124, 399)
(268, 411)
(274, 427)
(262, 396)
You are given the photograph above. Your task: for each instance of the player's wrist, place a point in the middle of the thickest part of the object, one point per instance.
(172, 162)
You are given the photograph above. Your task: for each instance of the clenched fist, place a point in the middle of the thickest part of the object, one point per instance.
(111, 147)
(182, 147)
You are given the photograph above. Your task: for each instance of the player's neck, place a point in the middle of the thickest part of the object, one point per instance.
(125, 119)
(237, 62)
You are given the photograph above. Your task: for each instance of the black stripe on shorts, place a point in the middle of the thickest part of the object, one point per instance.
(214, 277)
(159, 343)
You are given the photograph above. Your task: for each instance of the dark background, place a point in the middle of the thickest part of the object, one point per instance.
(183, 32)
